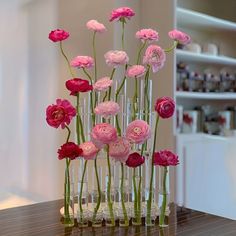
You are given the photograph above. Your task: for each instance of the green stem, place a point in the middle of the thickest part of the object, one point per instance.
(123, 35)
(82, 129)
(112, 75)
(67, 191)
(172, 47)
(140, 51)
(139, 194)
(135, 99)
(146, 97)
(135, 196)
(77, 120)
(67, 60)
(69, 132)
(95, 56)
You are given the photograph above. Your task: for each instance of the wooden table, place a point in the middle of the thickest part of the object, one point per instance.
(44, 219)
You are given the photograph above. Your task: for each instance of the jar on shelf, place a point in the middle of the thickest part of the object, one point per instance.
(195, 82)
(182, 76)
(211, 82)
(227, 81)
(225, 120)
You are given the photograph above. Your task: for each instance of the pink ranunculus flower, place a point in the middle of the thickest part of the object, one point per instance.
(115, 58)
(138, 131)
(58, 35)
(121, 13)
(154, 56)
(165, 107)
(69, 150)
(102, 84)
(89, 150)
(107, 109)
(136, 71)
(165, 158)
(180, 36)
(60, 114)
(148, 35)
(96, 26)
(134, 160)
(120, 149)
(78, 85)
(85, 62)
(102, 134)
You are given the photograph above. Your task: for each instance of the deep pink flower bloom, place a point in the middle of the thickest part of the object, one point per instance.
(154, 56)
(58, 35)
(149, 35)
(102, 134)
(106, 109)
(179, 36)
(85, 62)
(136, 71)
(134, 160)
(115, 58)
(103, 84)
(60, 114)
(138, 131)
(165, 158)
(119, 149)
(96, 26)
(165, 107)
(78, 85)
(121, 13)
(69, 150)
(89, 150)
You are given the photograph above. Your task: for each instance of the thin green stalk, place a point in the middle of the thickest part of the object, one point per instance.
(140, 51)
(172, 47)
(135, 99)
(67, 192)
(95, 56)
(135, 195)
(123, 35)
(112, 75)
(82, 129)
(69, 132)
(77, 120)
(139, 193)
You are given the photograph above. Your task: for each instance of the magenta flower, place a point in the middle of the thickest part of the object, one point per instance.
(89, 150)
(102, 134)
(154, 56)
(60, 114)
(134, 160)
(179, 36)
(103, 84)
(149, 35)
(121, 13)
(165, 158)
(69, 150)
(107, 109)
(165, 107)
(136, 71)
(78, 85)
(115, 58)
(96, 26)
(119, 149)
(85, 62)
(138, 131)
(58, 35)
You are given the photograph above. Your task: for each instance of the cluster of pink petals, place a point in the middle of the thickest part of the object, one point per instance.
(165, 107)
(138, 131)
(102, 134)
(58, 35)
(107, 109)
(136, 71)
(121, 13)
(134, 160)
(78, 85)
(96, 26)
(149, 35)
(120, 149)
(85, 62)
(69, 150)
(60, 114)
(154, 56)
(115, 58)
(89, 150)
(180, 36)
(165, 158)
(102, 84)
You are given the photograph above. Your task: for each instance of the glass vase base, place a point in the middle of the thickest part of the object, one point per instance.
(109, 223)
(136, 222)
(163, 225)
(165, 222)
(123, 223)
(97, 224)
(83, 224)
(68, 221)
(149, 224)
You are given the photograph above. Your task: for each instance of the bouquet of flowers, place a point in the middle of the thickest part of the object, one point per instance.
(125, 145)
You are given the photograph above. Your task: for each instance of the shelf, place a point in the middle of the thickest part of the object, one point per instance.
(195, 19)
(192, 136)
(212, 96)
(204, 58)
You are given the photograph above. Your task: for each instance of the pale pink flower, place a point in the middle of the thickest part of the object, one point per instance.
(106, 109)
(180, 36)
(120, 149)
(149, 35)
(89, 150)
(154, 56)
(102, 84)
(136, 71)
(115, 58)
(96, 26)
(85, 62)
(138, 131)
(121, 13)
(102, 134)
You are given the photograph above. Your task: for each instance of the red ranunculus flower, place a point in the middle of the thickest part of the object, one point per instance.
(58, 35)
(165, 158)
(135, 160)
(69, 150)
(165, 107)
(78, 85)
(60, 114)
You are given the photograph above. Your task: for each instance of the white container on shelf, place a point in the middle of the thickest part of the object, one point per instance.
(190, 121)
